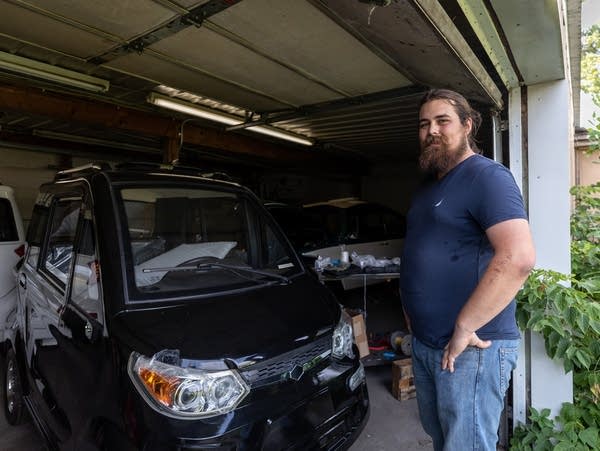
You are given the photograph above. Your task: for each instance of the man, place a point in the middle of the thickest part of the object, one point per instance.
(468, 250)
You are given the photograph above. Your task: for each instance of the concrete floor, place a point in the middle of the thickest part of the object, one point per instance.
(393, 425)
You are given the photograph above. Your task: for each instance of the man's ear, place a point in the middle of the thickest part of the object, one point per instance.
(469, 125)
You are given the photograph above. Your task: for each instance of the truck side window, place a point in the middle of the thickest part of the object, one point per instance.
(59, 251)
(276, 254)
(35, 233)
(85, 288)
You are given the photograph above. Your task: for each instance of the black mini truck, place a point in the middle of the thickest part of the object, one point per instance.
(162, 310)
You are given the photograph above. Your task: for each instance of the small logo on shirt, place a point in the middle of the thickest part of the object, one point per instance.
(440, 202)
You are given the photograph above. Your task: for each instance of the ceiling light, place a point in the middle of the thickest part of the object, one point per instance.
(37, 69)
(277, 133)
(192, 109)
(224, 118)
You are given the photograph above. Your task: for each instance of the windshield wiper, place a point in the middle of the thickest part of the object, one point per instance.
(232, 268)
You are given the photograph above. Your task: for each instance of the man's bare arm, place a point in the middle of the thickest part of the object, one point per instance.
(514, 257)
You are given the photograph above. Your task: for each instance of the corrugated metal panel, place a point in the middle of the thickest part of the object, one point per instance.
(388, 127)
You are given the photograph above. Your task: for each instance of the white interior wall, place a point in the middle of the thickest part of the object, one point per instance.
(25, 171)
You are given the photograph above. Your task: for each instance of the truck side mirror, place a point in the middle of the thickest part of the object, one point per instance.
(83, 327)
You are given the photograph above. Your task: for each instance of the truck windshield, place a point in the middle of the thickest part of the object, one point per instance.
(170, 230)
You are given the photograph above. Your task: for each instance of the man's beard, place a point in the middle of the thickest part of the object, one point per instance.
(437, 161)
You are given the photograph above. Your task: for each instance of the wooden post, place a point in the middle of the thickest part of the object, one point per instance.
(171, 149)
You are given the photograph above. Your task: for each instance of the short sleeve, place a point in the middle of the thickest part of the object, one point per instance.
(496, 197)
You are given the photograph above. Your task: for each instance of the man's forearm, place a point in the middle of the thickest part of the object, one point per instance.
(500, 283)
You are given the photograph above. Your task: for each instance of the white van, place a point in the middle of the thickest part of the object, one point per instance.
(12, 248)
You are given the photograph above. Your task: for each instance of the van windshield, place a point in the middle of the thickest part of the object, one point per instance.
(201, 241)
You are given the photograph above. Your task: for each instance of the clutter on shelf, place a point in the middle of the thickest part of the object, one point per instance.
(356, 264)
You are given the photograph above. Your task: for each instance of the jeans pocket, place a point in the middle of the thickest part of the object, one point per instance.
(508, 361)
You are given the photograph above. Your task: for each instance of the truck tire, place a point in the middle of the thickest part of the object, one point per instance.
(14, 405)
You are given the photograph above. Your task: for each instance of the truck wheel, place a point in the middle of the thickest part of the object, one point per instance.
(14, 406)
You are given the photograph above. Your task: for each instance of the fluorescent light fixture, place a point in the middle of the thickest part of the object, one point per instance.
(37, 69)
(278, 133)
(224, 118)
(191, 109)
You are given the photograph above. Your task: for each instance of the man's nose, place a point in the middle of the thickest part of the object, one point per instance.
(433, 129)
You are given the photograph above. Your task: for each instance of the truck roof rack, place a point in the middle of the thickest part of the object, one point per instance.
(82, 170)
(153, 166)
(175, 168)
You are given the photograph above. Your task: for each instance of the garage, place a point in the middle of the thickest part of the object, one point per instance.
(301, 101)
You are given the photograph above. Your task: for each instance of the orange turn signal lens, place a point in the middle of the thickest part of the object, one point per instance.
(160, 386)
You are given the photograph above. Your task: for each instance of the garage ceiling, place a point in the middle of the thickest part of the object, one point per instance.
(348, 74)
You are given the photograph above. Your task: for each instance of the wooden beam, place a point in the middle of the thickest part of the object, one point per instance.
(97, 113)
(60, 147)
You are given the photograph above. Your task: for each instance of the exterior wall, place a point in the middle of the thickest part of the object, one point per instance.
(517, 155)
(550, 146)
(587, 168)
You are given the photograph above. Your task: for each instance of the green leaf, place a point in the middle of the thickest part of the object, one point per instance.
(561, 347)
(592, 286)
(590, 437)
(535, 318)
(583, 358)
(583, 322)
(595, 326)
(552, 341)
(564, 446)
(568, 365)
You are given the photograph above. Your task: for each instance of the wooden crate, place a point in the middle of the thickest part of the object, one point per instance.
(403, 386)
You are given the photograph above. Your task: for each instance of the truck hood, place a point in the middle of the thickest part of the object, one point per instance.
(243, 328)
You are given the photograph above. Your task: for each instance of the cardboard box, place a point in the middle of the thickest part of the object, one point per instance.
(360, 332)
(403, 385)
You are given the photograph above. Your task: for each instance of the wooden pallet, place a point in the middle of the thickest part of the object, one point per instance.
(403, 386)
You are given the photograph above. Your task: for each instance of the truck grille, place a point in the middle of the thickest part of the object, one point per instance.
(293, 362)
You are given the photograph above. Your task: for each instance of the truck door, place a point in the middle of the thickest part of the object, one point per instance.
(43, 286)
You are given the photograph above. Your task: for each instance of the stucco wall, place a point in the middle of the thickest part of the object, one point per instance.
(587, 168)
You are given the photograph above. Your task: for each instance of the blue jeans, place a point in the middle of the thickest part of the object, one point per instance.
(461, 410)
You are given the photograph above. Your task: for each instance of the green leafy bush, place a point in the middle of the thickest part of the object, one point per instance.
(565, 310)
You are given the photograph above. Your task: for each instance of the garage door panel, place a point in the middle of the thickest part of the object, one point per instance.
(123, 19)
(152, 67)
(26, 26)
(215, 54)
(298, 34)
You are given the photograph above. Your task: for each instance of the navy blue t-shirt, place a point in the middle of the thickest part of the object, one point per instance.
(446, 250)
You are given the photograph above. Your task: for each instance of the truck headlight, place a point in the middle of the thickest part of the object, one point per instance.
(343, 337)
(186, 392)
